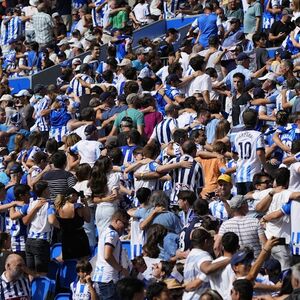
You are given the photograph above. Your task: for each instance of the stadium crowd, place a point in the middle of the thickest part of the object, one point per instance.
(191, 153)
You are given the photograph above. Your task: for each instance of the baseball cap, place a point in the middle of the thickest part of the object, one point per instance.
(15, 169)
(65, 64)
(70, 191)
(6, 97)
(283, 54)
(15, 118)
(243, 256)
(89, 129)
(125, 62)
(77, 45)
(63, 42)
(242, 56)
(76, 61)
(22, 93)
(172, 78)
(225, 177)
(268, 76)
(234, 20)
(287, 12)
(54, 15)
(237, 201)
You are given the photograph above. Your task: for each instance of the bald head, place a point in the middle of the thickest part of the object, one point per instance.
(14, 265)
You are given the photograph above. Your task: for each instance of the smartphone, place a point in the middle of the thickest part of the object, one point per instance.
(81, 194)
(281, 241)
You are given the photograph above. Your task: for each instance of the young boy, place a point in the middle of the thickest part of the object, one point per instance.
(83, 289)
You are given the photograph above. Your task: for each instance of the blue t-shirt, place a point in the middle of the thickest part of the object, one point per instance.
(208, 26)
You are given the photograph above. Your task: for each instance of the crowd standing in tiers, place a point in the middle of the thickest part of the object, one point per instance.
(186, 148)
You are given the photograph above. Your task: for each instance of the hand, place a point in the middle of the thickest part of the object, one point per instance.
(159, 209)
(88, 279)
(161, 92)
(281, 34)
(186, 164)
(272, 242)
(283, 92)
(124, 272)
(111, 197)
(41, 203)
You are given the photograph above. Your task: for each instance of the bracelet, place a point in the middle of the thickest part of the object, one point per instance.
(265, 250)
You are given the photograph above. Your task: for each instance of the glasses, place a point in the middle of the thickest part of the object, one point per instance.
(265, 182)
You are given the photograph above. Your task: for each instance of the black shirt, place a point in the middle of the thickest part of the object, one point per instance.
(238, 106)
(278, 27)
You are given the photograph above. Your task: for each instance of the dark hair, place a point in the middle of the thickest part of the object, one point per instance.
(131, 87)
(39, 156)
(88, 114)
(250, 117)
(180, 136)
(40, 187)
(199, 236)
(257, 177)
(282, 177)
(116, 156)
(134, 136)
(201, 207)
(155, 237)
(84, 266)
(171, 31)
(230, 242)
(155, 289)
(52, 146)
(151, 151)
(83, 172)
(147, 83)
(166, 267)
(240, 76)
(121, 214)
(189, 147)
(197, 63)
(4, 236)
(128, 287)
(189, 196)
(244, 287)
(143, 194)
(130, 73)
(59, 159)
(20, 190)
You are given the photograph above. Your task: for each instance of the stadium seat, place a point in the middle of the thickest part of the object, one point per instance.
(53, 269)
(41, 287)
(55, 251)
(126, 246)
(67, 273)
(63, 296)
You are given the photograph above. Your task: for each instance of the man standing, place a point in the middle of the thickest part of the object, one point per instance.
(248, 229)
(108, 266)
(252, 18)
(43, 26)
(249, 148)
(14, 284)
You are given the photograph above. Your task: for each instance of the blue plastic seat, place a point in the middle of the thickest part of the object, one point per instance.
(63, 296)
(40, 287)
(55, 251)
(53, 269)
(67, 273)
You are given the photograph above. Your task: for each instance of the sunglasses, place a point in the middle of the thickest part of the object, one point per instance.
(266, 182)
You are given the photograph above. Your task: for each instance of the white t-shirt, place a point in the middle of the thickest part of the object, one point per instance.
(141, 11)
(200, 84)
(192, 271)
(279, 227)
(29, 11)
(221, 280)
(211, 62)
(89, 151)
(80, 131)
(294, 184)
(186, 119)
(257, 197)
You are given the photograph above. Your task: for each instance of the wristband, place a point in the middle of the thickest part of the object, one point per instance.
(297, 156)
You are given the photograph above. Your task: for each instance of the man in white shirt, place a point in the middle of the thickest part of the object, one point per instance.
(88, 149)
(202, 83)
(29, 11)
(108, 268)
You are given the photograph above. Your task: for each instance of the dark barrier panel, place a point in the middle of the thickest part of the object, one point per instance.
(180, 22)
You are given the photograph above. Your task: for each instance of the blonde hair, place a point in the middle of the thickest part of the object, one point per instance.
(60, 201)
(19, 142)
(296, 5)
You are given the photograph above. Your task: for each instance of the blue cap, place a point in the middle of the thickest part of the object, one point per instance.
(242, 56)
(62, 98)
(243, 256)
(65, 64)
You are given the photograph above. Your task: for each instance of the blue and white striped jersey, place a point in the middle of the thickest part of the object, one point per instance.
(80, 291)
(127, 152)
(97, 17)
(288, 134)
(4, 32)
(76, 87)
(16, 28)
(218, 210)
(191, 179)
(103, 271)
(78, 3)
(162, 132)
(246, 143)
(42, 122)
(40, 228)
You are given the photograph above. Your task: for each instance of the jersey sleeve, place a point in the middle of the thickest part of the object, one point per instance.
(286, 208)
(111, 239)
(260, 143)
(24, 209)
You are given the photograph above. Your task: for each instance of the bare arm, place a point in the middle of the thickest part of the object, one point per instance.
(147, 222)
(208, 267)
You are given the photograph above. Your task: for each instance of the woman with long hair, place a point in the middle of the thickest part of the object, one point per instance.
(105, 185)
(71, 217)
(72, 159)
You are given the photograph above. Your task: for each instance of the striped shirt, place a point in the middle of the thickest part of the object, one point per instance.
(248, 230)
(218, 210)
(163, 130)
(15, 28)
(78, 3)
(97, 17)
(58, 181)
(246, 144)
(190, 179)
(40, 227)
(15, 290)
(127, 152)
(4, 32)
(76, 87)
(42, 122)
(104, 272)
(80, 291)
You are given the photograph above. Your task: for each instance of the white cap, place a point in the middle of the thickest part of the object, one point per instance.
(270, 76)
(76, 45)
(73, 40)
(6, 97)
(54, 15)
(22, 93)
(34, 2)
(63, 42)
(76, 61)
